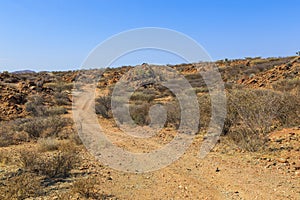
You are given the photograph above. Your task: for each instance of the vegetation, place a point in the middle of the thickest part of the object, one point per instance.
(35, 108)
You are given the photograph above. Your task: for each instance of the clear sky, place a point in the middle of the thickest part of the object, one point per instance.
(59, 34)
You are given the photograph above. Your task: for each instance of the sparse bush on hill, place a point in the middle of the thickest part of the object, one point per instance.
(6, 136)
(56, 110)
(60, 86)
(252, 114)
(103, 106)
(142, 96)
(139, 113)
(288, 85)
(55, 165)
(61, 98)
(21, 186)
(41, 126)
(173, 114)
(35, 106)
(47, 144)
(86, 188)
(9, 136)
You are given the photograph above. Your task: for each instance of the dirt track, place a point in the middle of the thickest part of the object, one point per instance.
(220, 175)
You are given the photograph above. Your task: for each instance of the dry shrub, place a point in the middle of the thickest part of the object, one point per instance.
(60, 86)
(289, 110)
(6, 135)
(205, 110)
(68, 146)
(103, 106)
(9, 136)
(55, 165)
(42, 126)
(86, 188)
(21, 186)
(139, 113)
(47, 144)
(142, 96)
(288, 85)
(74, 137)
(173, 114)
(62, 98)
(252, 114)
(35, 106)
(56, 110)
(5, 158)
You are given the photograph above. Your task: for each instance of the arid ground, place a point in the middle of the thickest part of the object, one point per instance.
(256, 157)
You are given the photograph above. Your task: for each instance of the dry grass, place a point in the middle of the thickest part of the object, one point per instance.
(47, 144)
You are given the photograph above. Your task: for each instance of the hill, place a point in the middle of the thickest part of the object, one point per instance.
(257, 155)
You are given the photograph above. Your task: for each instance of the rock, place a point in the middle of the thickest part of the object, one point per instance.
(279, 140)
(281, 160)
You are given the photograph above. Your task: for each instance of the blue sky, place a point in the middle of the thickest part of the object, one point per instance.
(59, 34)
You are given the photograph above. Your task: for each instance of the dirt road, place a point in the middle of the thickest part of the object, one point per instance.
(222, 174)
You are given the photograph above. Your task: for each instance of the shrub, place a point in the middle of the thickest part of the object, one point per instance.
(61, 98)
(57, 110)
(35, 106)
(74, 137)
(287, 85)
(289, 110)
(139, 113)
(48, 144)
(6, 136)
(173, 114)
(21, 186)
(41, 126)
(103, 106)
(205, 110)
(86, 188)
(252, 114)
(60, 86)
(57, 165)
(141, 96)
